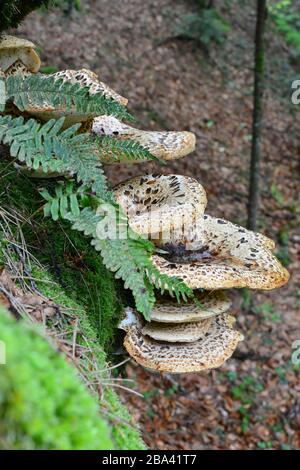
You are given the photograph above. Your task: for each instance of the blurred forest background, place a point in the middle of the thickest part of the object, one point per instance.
(188, 65)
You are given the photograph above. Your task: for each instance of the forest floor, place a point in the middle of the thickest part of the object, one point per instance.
(253, 400)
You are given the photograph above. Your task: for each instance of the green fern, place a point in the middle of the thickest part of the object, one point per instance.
(48, 147)
(130, 260)
(36, 90)
(122, 150)
(66, 200)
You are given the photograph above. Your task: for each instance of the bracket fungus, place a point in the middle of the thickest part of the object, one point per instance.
(85, 78)
(164, 145)
(206, 253)
(18, 55)
(208, 352)
(221, 255)
(208, 304)
(154, 203)
(178, 333)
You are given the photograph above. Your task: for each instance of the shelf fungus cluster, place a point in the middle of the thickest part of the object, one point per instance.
(210, 255)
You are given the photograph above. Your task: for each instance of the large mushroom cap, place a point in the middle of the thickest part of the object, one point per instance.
(212, 351)
(164, 145)
(13, 49)
(180, 333)
(221, 255)
(210, 304)
(85, 78)
(156, 203)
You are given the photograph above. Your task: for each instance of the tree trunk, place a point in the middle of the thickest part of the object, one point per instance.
(257, 114)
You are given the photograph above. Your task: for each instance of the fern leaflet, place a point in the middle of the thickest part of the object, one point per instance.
(31, 92)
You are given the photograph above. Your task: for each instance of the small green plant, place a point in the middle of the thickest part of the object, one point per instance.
(244, 411)
(283, 251)
(277, 195)
(47, 69)
(281, 374)
(286, 16)
(204, 26)
(245, 392)
(265, 444)
(268, 312)
(246, 296)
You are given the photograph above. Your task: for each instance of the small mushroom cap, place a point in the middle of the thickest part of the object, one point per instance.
(223, 255)
(212, 351)
(211, 304)
(180, 333)
(155, 203)
(163, 145)
(13, 49)
(13, 42)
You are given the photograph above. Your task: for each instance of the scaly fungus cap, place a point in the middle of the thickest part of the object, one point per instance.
(156, 203)
(85, 78)
(212, 351)
(177, 333)
(221, 255)
(164, 145)
(170, 311)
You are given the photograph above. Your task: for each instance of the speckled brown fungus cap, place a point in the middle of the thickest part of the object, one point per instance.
(17, 52)
(155, 203)
(209, 305)
(221, 255)
(85, 78)
(164, 145)
(212, 351)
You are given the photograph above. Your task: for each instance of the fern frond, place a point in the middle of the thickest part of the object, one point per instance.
(122, 150)
(123, 257)
(52, 149)
(175, 286)
(33, 91)
(66, 199)
(130, 260)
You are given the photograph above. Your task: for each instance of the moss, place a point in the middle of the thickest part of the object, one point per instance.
(43, 404)
(124, 429)
(79, 269)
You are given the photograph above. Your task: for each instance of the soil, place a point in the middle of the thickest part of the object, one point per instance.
(253, 400)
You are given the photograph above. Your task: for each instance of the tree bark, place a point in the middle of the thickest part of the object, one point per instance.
(257, 119)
